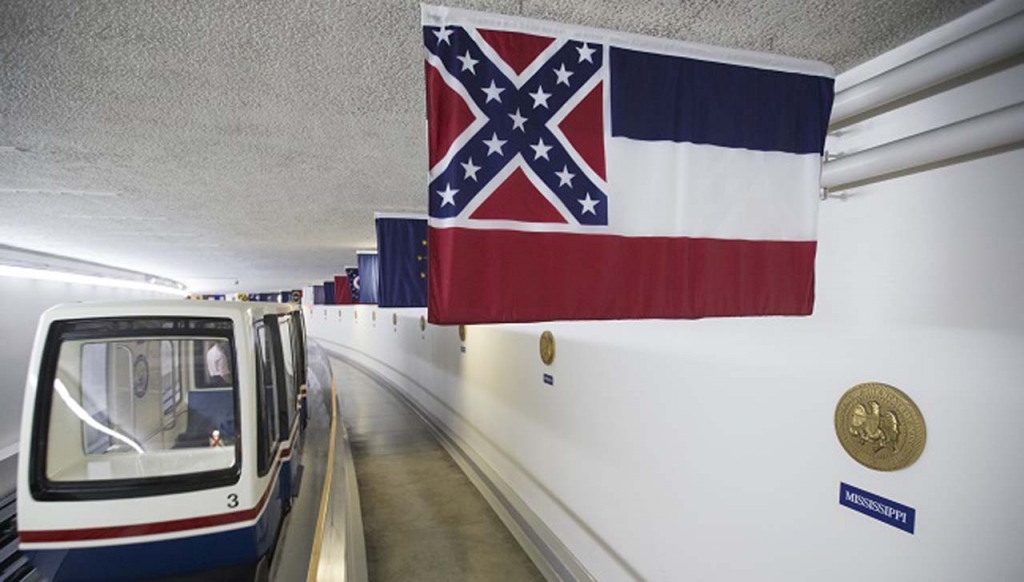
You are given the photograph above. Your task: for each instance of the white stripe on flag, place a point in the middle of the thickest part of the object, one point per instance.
(684, 189)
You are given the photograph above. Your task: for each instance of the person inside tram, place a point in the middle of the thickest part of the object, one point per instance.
(218, 366)
(210, 417)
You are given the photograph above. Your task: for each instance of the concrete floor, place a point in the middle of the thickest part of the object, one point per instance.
(422, 518)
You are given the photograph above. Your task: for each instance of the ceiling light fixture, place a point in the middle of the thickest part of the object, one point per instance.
(66, 277)
(114, 217)
(59, 192)
(148, 233)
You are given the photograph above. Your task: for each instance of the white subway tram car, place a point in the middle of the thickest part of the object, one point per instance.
(158, 437)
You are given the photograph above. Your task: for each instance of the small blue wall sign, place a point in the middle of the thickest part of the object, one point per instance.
(884, 510)
(549, 379)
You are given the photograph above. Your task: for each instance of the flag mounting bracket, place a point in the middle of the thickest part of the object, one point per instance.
(827, 194)
(824, 193)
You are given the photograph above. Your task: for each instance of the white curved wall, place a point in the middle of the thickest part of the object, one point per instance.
(704, 450)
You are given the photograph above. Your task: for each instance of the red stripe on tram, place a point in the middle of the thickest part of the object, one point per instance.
(159, 527)
(148, 529)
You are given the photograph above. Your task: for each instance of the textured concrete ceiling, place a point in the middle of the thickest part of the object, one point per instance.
(212, 141)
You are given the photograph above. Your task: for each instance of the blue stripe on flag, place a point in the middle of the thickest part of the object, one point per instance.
(665, 98)
(402, 248)
(368, 277)
(329, 293)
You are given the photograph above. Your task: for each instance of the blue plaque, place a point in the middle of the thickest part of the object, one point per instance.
(884, 510)
(549, 379)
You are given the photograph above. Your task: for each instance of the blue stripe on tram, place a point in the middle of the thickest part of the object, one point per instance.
(190, 556)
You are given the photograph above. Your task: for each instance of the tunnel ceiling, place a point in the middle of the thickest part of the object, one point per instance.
(214, 141)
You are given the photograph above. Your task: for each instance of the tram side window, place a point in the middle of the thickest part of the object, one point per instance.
(291, 388)
(268, 432)
(299, 343)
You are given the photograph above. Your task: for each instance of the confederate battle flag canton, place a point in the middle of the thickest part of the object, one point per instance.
(515, 127)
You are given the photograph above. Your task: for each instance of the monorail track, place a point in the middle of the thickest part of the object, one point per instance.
(14, 566)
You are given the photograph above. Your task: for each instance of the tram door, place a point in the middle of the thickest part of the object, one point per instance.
(299, 341)
(269, 383)
(288, 402)
(277, 394)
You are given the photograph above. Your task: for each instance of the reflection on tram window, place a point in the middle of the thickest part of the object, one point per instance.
(134, 407)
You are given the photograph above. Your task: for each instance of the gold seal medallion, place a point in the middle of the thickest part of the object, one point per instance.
(880, 427)
(394, 319)
(423, 323)
(547, 347)
(462, 333)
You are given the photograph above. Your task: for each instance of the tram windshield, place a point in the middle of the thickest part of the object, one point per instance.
(129, 400)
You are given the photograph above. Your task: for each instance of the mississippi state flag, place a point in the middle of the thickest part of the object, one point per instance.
(586, 174)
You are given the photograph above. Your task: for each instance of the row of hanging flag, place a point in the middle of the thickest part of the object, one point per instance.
(293, 296)
(393, 276)
(576, 173)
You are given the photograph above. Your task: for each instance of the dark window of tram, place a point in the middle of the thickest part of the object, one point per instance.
(288, 408)
(299, 341)
(268, 432)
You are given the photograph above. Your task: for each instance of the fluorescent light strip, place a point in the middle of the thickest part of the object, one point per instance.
(59, 192)
(114, 217)
(65, 277)
(148, 233)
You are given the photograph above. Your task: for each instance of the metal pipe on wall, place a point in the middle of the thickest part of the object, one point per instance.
(985, 47)
(999, 128)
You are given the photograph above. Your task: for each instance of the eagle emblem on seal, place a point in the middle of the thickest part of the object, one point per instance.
(871, 426)
(880, 426)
